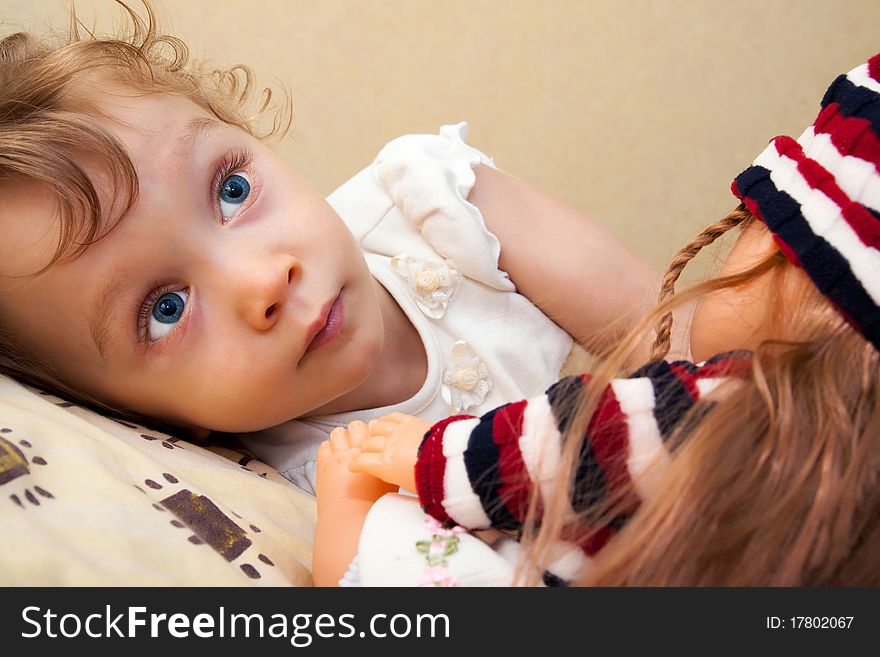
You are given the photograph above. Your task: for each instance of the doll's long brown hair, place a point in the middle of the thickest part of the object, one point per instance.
(773, 480)
(47, 120)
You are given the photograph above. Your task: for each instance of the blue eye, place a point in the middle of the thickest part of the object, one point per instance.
(234, 191)
(165, 313)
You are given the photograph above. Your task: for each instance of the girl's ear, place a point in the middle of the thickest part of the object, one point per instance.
(198, 434)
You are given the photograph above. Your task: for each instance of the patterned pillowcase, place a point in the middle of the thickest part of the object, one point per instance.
(90, 501)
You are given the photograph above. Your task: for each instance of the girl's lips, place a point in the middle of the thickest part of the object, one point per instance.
(333, 319)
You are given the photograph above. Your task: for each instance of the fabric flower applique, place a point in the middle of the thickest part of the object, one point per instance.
(466, 379)
(442, 544)
(431, 283)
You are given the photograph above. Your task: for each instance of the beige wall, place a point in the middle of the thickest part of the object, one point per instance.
(639, 112)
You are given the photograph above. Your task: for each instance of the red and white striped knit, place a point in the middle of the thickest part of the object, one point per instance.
(479, 472)
(820, 196)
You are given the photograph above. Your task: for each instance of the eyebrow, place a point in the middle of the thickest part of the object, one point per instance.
(195, 130)
(105, 313)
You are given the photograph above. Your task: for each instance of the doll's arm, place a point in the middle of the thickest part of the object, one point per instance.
(343, 498)
(392, 449)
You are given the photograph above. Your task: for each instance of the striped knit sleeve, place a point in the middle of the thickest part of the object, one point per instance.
(480, 472)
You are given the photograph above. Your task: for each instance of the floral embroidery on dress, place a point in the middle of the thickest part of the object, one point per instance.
(442, 544)
(431, 283)
(466, 379)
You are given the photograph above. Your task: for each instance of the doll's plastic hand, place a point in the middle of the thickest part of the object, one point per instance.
(391, 450)
(335, 481)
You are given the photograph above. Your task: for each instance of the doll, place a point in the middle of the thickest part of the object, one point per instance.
(756, 464)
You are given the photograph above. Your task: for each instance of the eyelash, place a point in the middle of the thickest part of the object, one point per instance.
(234, 160)
(146, 310)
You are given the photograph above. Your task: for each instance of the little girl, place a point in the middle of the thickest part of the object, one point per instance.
(160, 261)
(758, 465)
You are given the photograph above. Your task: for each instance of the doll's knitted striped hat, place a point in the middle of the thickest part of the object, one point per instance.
(820, 196)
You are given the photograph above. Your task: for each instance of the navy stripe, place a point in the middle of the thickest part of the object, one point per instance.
(827, 268)
(565, 397)
(617, 522)
(854, 101)
(589, 486)
(671, 396)
(734, 355)
(553, 580)
(481, 461)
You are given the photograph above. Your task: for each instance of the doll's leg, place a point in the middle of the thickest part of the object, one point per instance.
(344, 498)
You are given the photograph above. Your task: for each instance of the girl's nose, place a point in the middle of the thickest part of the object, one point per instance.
(263, 291)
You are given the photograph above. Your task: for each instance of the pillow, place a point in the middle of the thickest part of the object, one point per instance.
(90, 501)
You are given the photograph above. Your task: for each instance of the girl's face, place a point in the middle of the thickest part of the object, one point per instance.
(232, 297)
